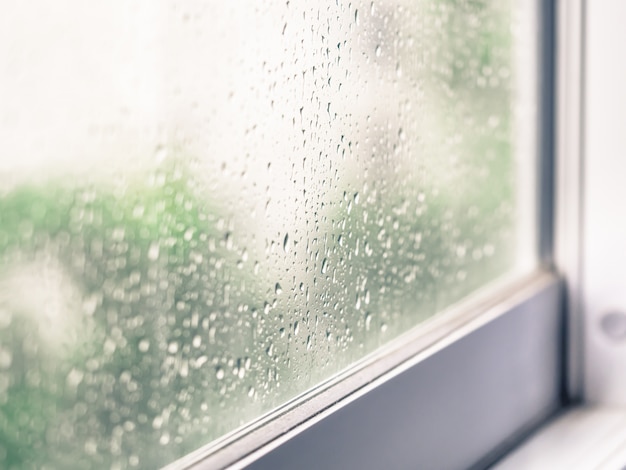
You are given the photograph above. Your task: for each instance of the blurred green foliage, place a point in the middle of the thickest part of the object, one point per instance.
(176, 340)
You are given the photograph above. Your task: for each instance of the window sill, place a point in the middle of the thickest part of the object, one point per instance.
(585, 437)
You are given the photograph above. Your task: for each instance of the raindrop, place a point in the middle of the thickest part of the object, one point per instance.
(324, 265)
(228, 238)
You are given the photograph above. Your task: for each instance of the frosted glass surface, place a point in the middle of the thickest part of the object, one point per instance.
(207, 208)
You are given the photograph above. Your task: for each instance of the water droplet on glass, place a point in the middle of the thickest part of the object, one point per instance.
(368, 321)
(324, 265)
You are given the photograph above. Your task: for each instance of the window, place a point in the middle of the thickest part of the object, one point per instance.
(222, 222)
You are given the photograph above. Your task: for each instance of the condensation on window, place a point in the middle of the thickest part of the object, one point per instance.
(208, 208)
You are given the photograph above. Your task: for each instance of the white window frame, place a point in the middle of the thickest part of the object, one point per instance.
(465, 389)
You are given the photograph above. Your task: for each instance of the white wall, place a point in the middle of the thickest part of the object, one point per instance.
(604, 176)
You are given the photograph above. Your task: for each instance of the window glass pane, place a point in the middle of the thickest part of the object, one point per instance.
(207, 208)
